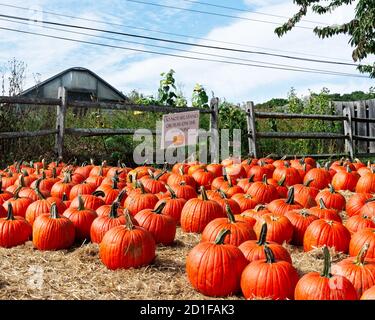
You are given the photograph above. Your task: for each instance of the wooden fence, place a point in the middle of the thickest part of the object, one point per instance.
(61, 104)
(358, 134)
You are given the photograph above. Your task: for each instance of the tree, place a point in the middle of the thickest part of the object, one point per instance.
(361, 28)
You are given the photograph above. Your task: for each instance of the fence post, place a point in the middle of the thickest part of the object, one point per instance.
(60, 121)
(251, 130)
(214, 127)
(346, 111)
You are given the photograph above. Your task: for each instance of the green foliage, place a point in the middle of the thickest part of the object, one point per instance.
(360, 28)
(167, 91)
(199, 98)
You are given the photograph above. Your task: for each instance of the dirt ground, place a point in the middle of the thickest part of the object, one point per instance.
(26, 273)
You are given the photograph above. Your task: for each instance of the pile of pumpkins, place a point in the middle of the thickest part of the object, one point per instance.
(244, 210)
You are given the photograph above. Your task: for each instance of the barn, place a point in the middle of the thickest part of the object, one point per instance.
(82, 84)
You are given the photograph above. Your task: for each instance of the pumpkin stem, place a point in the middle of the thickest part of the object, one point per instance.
(120, 196)
(251, 178)
(282, 180)
(113, 212)
(264, 179)
(322, 205)
(290, 198)
(270, 257)
(259, 207)
(307, 183)
(54, 173)
(160, 207)
(360, 259)
(64, 197)
(67, 177)
(221, 236)
(173, 194)
(230, 215)
(331, 188)
(21, 181)
(157, 177)
(263, 235)
(81, 203)
(181, 170)
(348, 169)
(141, 186)
(327, 263)
(114, 182)
(54, 213)
(98, 193)
(203, 193)
(223, 194)
(10, 215)
(37, 190)
(129, 223)
(225, 175)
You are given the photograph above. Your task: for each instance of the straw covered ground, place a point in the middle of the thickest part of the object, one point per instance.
(26, 273)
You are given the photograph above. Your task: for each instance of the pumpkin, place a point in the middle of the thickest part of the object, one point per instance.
(366, 183)
(52, 231)
(326, 233)
(173, 205)
(197, 213)
(305, 195)
(279, 228)
(369, 294)
(368, 208)
(224, 201)
(207, 267)
(111, 191)
(319, 177)
(42, 206)
(81, 189)
(182, 190)
(203, 178)
(220, 181)
(254, 249)
(14, 230)
(245, 201)
(262, 192)
(257, 212)
(324, 286)
(359, 222)
(290, 175)
(281, 206)
(4, 195)
(245, 183)
(360, 271)
(282, 190)
(356, 202)
(82, 219)
(162, 227)
(64, 186)
(322, 212)
(345, 179)
(19, 205)
(102, 224)
(269, 278)
(230, 189)
(359, 239)
(300, 220)
(101, 170)
(331, 198)
(257, 172)
(127, 246)
(178, 167)
(105, 210)
(179, 176)
(152, 184)
(136, 202)
(215, 168)
(90, 201)
(240, 231)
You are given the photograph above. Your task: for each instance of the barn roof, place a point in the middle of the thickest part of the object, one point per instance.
(54, 82)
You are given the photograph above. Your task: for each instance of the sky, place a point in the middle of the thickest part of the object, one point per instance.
(127, 70)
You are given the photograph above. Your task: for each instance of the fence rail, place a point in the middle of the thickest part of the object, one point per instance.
(358, 120)
(62, 104)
